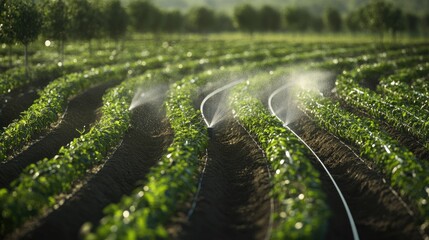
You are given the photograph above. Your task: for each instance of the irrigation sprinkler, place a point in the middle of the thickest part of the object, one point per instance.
(215, 118)
(343, 200)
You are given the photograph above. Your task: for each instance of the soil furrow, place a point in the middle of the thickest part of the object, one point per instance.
(234, 199)
(81, 113)
(378, 213)
(141, 148)
(14, 103)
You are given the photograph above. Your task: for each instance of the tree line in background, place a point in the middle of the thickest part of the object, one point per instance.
(22, 21)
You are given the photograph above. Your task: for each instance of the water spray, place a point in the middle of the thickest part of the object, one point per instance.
(215, 118)
(143, 96)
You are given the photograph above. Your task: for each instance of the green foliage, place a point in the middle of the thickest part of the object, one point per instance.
(405, 117)
(411, 22)
(7, 15)
(377, 16)
(333, 20)
(27, 21)
(356, 20)
(396, 21)
(401, 86)
(173, 21)
(116, 19)
(223, 23)
(56, 21)
(246, 18)
(144, 16)
(200, 19)
(270, 19)
(86, 20)
(298, 19)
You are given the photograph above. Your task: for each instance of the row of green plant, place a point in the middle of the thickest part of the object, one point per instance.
(405, 117)
(18, 77)
(137, 216)
(53, 100)
(399, 85)
(169, 184)
(43, 196)
(40, 184)
(173, 182)
(302, 211)
(403, 171)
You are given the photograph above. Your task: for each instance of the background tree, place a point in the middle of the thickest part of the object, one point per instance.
(396, 21)
(355, 21)
(246, 18)
(86, 21)
(332, 20)
(116, 20)
(173, 21)
(143, 15)
(411, 23)
(223, 23)
(425, 24)
(316, 24)
(200, 19)
(377, 13)
(298, 19)
(270, 19)
(27, 24)
(158, 22)
(7, 34)
(56, 24)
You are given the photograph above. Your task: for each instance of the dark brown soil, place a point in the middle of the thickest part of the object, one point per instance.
(234, 202)
(141, 148)
(80, 114)
(379, 213)
(18, 100)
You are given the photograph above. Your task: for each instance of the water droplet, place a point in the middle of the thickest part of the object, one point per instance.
(126, 214)
(298, 225)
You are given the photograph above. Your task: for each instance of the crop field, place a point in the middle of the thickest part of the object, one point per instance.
(216, 138)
